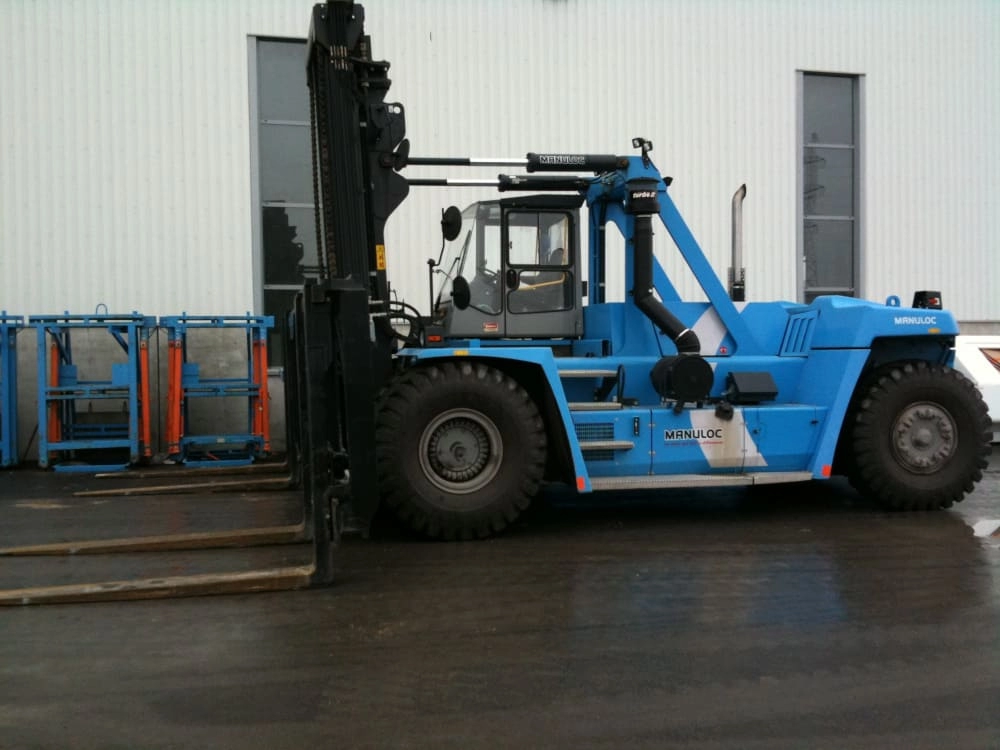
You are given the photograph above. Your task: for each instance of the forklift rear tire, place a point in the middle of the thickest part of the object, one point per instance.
(461, 450)
(920, 438)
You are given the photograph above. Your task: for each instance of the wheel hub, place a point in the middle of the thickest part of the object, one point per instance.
(460, 451)
(924, 437)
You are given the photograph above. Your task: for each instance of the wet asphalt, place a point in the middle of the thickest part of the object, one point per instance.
(789, 617)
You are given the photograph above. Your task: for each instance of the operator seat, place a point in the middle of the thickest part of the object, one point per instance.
(557, 257)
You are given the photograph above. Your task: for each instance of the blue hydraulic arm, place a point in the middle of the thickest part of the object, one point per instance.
(717, 295)
(605, 201)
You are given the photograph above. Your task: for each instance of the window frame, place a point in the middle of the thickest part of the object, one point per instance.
(257, 204)
(857, 217)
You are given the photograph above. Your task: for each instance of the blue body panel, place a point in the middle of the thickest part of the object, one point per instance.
(628, 425)
(848, 323)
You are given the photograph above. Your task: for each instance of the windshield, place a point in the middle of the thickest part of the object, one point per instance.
(475, 251)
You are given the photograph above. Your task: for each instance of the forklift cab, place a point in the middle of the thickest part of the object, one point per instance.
(511, 270)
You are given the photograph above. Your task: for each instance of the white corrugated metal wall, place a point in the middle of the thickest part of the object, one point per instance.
(125, 155)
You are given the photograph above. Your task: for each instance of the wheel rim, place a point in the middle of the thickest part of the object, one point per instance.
(461, 451)
(924, 437)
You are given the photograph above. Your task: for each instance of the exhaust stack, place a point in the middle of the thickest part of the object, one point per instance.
(737, 273)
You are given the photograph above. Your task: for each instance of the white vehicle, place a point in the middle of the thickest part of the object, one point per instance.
(978, 357)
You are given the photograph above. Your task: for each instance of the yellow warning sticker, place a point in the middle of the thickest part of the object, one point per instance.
(380, 257)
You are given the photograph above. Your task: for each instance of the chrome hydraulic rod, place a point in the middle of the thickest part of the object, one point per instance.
(504, 183)
(451, 182)
(463, 161)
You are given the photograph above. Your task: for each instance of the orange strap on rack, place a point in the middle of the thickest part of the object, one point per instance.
(262, 415)
(145, 432)
(173, 422)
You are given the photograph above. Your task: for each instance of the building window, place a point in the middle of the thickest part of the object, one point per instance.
(284, 221)
(829, 240)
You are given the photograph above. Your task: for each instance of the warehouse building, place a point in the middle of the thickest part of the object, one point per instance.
(154, 156)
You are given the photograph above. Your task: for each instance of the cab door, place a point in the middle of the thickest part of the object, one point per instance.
(542, 290)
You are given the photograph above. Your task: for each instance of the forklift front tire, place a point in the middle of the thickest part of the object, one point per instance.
(461, 450)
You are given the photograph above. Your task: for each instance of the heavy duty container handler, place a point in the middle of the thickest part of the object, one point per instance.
(522, 373)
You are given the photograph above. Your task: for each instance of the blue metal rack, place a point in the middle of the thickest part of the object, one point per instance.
(9, 326)
(66, 434)
(185, 382)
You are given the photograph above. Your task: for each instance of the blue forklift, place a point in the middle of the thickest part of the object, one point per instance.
(524, 373)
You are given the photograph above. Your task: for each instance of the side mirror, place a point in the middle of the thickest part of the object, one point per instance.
(461, 295)
(451, 223)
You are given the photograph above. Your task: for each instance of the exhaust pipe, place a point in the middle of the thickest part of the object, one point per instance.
(737, 273)
(643, 203)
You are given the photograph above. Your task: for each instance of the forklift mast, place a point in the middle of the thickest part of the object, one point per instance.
(340, 337)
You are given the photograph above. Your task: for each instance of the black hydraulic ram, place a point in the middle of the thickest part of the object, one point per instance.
(344, 341)
(596, 163)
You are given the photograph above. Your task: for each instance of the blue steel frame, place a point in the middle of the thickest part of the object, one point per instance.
(229, 448)
(9, 327)
(816, 354)
(60, 431)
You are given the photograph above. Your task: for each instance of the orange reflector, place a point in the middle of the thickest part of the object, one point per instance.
(581, 484)
(827, 470)
(435, 339)
(933, 330)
